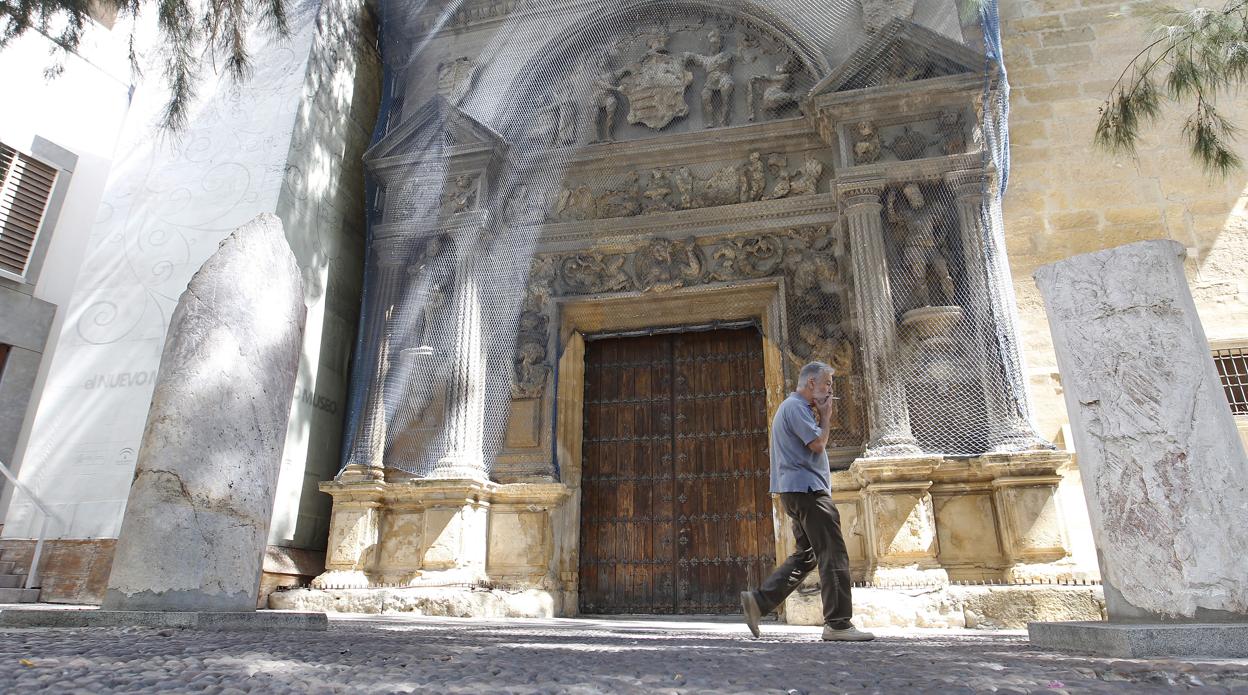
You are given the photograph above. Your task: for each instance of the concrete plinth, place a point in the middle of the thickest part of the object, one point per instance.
(1142, 641)
(193, 620)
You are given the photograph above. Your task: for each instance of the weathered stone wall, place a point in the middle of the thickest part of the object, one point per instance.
(1066, 198)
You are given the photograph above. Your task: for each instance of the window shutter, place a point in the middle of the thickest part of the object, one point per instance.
(25, 187)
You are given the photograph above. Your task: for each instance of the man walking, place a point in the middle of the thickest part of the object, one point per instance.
(801, 476)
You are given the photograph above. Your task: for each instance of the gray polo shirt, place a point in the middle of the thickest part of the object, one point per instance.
(794, 467)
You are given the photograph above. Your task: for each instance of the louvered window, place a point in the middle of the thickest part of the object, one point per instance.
(25, 187)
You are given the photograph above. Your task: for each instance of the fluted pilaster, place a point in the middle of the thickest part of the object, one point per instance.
(1009, 425)
(464, 426)
(888, 414)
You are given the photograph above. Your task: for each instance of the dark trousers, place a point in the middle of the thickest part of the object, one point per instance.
(817, 530)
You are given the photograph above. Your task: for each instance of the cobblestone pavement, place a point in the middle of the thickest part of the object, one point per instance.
(379, 654)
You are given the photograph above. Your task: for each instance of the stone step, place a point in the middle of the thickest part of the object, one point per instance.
(19, 595)
(6, 566)
(12, 581)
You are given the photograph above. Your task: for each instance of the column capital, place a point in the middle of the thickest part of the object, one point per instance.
(858, 192)
(968, 183)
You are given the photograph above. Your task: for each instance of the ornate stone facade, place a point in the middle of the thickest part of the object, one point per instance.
(709, 168)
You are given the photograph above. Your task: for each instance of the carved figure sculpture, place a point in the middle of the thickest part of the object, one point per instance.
(455, 78)
(924, 268)
(529, 378)
(656, 86)
(777, 90)
(657, 192)
(462, 197)
(575, 204)
(432, 269)
(664, 264)
(777, 164)
(722, 188)
(624, 201)
(684, 186)
(566, 118)
(952, 132)
(866, 143)
(606, 87)
(807, 180)
(717, 92)
(753, 179)
(593, 273)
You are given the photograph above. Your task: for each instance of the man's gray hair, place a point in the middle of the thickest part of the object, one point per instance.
(814, 370)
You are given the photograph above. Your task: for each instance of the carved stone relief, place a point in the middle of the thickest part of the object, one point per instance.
(455, 78)
(806, 257)
(877, 13)
(631, 85)
(460, 196)
(944, 134)
(665, 190)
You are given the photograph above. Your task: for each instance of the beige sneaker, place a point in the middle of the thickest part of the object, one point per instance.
(749, 606)
(849, 634)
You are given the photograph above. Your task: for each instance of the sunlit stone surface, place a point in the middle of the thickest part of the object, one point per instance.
(198, 513)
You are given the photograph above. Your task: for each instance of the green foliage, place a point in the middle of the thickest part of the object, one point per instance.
(192, 32)
(1196, 56)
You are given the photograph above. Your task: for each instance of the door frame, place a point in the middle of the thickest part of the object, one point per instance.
(759, 300)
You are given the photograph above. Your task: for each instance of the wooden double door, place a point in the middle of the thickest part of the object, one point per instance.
(675, 511)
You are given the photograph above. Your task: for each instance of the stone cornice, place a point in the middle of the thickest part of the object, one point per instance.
(723, 220)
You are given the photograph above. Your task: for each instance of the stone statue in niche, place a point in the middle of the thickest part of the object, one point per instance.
(717, 92)
(664, 264)
(952, 132)
(753, 179)
(866, 143)
(624, 201)
(807, 180)
(777, 90)
(432, 269)
(541, 284)
(462, 197)
(656, 86)
(657, 192)
(778, 164)
(605, 96)
(925, 277)
(593, 273)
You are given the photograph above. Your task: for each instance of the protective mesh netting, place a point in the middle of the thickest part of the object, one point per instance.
(534, 152)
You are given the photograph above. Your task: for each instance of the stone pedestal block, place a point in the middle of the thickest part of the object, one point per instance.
(198, 513)
(1163, 468)
(901, 521)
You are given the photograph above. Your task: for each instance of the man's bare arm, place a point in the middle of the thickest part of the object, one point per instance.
(820, 443)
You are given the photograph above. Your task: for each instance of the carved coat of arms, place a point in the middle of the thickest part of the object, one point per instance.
(656, 87)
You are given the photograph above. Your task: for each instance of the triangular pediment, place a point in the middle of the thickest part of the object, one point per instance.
(901, 51)
(438, 125)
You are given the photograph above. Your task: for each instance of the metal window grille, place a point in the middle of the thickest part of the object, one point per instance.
(25, 187)
(1233, 369)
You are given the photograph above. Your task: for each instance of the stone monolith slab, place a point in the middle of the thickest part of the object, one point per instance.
(1163, 468)
(197, 517)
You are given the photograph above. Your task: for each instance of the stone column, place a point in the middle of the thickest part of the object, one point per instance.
(1005, 394)
(888, 414)
(464, 425)
(199, 508)
(1163, 467)
(367, 460)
